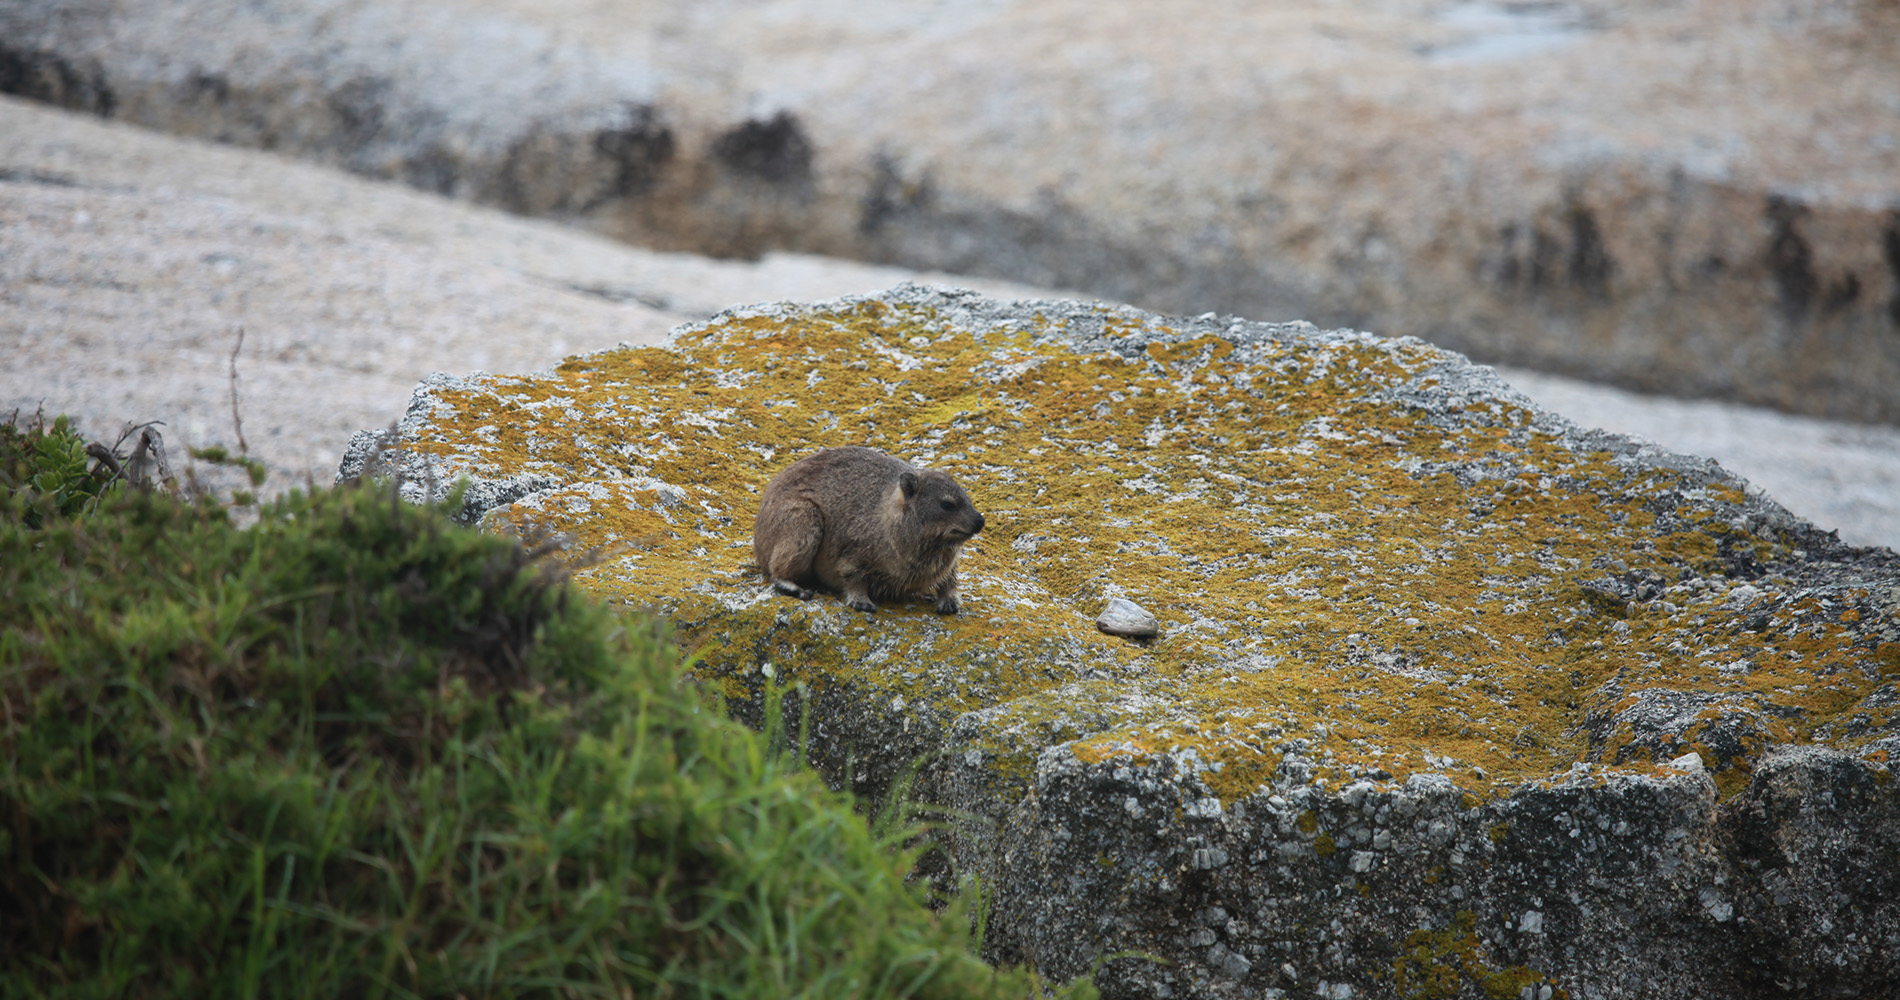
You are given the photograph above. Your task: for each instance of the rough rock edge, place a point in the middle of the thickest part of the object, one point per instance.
(1624, 885)
(372, 454)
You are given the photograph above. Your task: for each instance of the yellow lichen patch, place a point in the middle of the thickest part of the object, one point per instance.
(1338, 574)
(1443, 962)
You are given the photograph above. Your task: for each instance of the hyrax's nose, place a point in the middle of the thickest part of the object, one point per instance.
(979, 524)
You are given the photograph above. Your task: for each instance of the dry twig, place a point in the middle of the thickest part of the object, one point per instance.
(236, 420)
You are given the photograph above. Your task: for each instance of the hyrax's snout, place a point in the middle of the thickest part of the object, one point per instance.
(963, 533)
(959, 518)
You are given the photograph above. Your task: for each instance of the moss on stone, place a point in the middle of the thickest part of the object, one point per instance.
(1440, 963)
(1341, 573)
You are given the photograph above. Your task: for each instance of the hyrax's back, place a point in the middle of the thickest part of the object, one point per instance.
(839, 478)
(845, 486)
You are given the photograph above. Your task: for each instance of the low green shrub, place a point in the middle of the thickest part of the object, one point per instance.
(47, 468)
(354, 750)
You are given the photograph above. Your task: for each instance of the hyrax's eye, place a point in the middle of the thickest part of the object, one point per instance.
(949, 505)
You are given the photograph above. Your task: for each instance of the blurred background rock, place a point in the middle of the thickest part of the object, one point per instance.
(1697, 198)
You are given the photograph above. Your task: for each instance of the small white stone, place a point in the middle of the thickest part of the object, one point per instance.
(1690, 762)
(1126, 618)
(1532, 922)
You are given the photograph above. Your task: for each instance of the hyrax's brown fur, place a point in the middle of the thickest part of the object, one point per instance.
(866, 525)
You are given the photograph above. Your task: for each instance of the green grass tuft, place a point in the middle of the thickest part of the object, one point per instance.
(355, 750)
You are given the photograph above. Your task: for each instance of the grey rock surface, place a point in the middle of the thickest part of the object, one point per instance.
(1426, 727)
(1631, 887)
(1696, 197)
(129, 261)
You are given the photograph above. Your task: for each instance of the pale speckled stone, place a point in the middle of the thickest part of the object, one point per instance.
(1690, 762)
(1691, 197)
(1125, 617)
(130, 259)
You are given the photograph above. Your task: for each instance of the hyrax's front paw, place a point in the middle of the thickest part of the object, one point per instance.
(859, 602)
(947, 605)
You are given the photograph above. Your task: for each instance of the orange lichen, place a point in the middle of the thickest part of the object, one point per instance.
(1330, 568)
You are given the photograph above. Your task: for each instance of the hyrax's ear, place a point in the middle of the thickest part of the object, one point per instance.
(909, 482)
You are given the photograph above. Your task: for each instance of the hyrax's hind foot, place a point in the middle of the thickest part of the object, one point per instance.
(790, 589)
(861, 602)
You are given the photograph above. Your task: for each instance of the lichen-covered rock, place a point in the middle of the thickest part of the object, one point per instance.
(1428, 658)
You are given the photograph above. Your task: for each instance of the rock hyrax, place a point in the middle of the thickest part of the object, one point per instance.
(866, 525)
